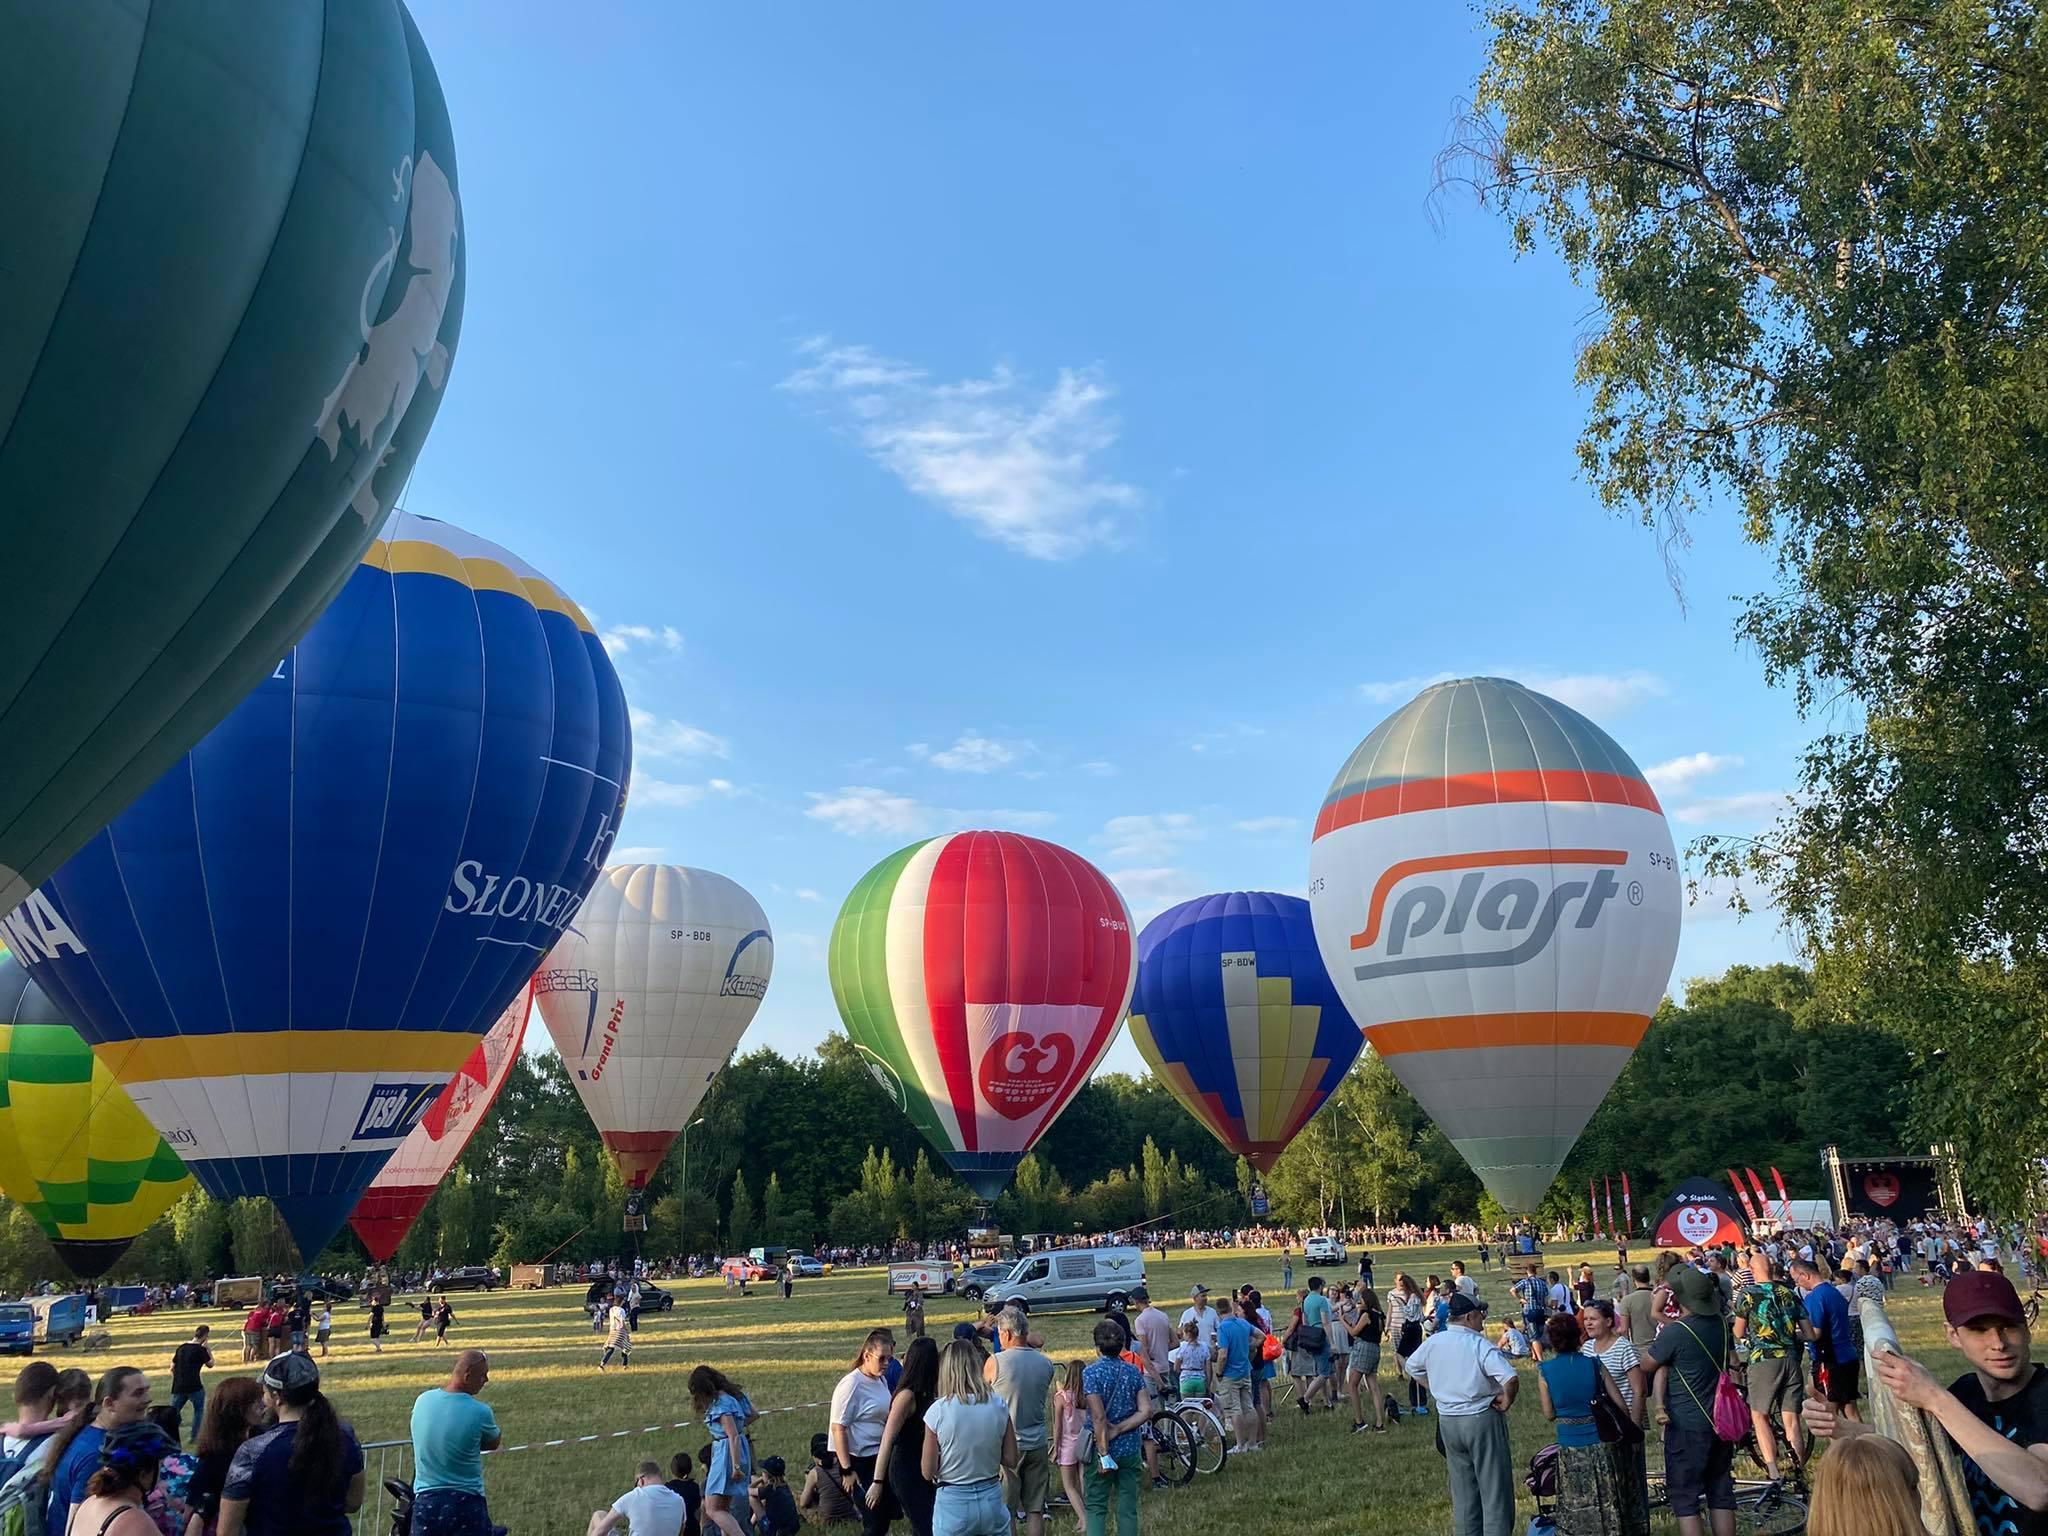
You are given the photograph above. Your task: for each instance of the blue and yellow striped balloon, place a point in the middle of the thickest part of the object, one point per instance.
(288, 945)
(1236, 1016)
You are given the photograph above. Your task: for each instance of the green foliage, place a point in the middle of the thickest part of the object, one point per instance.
(261, 1242)
(740, 1221)
(1816, 234)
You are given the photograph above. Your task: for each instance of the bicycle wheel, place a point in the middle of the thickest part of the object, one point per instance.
(1176, 1443)
(1770, 1512)
(1209, 1439)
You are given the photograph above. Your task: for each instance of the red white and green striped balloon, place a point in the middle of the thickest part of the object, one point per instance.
(983, 975)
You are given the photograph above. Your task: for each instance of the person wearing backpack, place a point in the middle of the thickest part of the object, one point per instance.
(26, 1444)
(1695, 1348)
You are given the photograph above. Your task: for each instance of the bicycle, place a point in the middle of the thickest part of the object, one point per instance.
(1761, 1508)
(1212, 1441)
(1175, 1440)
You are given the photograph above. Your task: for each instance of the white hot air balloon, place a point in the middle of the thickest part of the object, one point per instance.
(647, 994)
(1496, 897)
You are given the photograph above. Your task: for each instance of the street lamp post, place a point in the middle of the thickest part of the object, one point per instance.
(685, 1196)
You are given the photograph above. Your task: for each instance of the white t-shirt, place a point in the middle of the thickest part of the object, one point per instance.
(1204, 1319)
(652, 1510)
(970, 1438)
(861, 1403)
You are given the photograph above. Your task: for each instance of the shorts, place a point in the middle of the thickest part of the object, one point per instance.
(1194, 1386)
(1776, 1385)
(1302, 1363)
(1326, 1363)
(1533, 1321)
(1845, 1381)
(1697, 1464)
(1234, 1395)
(1365, 1358)
(1028, 1487)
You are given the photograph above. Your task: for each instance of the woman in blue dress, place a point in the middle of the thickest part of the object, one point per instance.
(1588, 1500)
(724, 1410)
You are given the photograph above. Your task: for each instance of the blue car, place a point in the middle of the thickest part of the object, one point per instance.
(17, 1328)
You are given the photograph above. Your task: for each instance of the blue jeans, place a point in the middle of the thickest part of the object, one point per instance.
(450, 1512)
(197, 1398)
(971, 1509)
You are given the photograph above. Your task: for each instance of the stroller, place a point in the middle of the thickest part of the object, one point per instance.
(1542, 1485)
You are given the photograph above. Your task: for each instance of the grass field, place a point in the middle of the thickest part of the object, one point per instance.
(1316, 1479)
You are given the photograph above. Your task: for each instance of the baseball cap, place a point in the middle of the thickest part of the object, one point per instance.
(1981, 1293)
(291, 1373)
(1461, 1305)
(1199, 1290)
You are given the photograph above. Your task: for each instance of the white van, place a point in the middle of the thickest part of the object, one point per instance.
(1072, 1278)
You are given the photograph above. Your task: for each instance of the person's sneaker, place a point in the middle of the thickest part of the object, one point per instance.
(1358, 1428)
(1304, 1406)
(1419, 1408)
(1160, 1485)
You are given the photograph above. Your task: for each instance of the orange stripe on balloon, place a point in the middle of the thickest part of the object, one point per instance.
(1482, 1031)
(1516, 786)
(1396, 873)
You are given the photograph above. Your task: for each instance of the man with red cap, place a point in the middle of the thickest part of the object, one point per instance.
(1997, 1415)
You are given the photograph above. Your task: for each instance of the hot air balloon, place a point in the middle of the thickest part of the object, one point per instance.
(1496, 896)
(647, 995)
(233, 284)
(290, 942)
(1236, 1016)
(982, 975)
(404, 1185)
(74, 1149)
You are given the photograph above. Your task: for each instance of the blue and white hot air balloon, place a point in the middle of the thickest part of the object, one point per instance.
(288, 945)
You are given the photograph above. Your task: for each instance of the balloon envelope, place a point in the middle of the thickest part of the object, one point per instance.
(404, 1185)
(289, 944)
(982, 975)
(233, 287)
(647, 994)
(1235, 1014)
(74, 1149)
(1496, 896)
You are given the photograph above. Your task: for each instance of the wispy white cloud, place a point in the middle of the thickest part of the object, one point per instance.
(861, 810)
(1725, 811)
(1600, 695)
(1681, 771)
(657, 736)
(1016, 462)
(1228, 739)
(621, 638)
(673, 796)
(639, 853)
(1151, 890)
(1259, 826)
(1153, 839)
(1400, 690)
(807, 894)
(1099, 769)
(971, 753)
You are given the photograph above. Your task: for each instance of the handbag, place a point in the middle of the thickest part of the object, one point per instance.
(1311, 1339)
(1616, 1427)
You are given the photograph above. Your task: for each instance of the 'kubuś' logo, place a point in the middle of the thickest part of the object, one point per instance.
(737, 983)
(1474, 894)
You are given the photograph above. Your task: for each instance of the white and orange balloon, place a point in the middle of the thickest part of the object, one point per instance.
(1496, 896)
(647, 994)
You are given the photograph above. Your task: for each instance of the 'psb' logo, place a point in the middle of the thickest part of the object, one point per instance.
(737, 984)
(393, 1109)
(1513, 906)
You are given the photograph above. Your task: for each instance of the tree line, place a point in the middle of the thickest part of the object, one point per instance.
(1754, 1069)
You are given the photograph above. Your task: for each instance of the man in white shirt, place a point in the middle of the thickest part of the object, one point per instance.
(1466, 1285)
(650, 1507)
(1202, 1315)
(1474, 1386)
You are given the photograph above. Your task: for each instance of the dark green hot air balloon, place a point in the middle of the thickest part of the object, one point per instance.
(231, 276)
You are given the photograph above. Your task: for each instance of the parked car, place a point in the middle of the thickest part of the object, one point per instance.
(1323, 1250)
(1070, 1278)
(17, 1328)
(975, 1280)
(470, 1277)
(747, 1271)
(315, 1288)
(808, 1268)
(237, 1292)
(654, 1299)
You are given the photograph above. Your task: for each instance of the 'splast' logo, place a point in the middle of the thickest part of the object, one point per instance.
(1475, 898)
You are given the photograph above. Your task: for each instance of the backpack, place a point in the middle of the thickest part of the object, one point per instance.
(1730, 1413)
(24, 1496)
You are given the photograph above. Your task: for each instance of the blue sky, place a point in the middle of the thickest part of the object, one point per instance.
(1053, 418)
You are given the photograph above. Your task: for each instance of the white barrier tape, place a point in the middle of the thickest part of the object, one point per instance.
(616, 1434)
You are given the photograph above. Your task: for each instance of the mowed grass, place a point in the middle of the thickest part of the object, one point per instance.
(1316, 1479)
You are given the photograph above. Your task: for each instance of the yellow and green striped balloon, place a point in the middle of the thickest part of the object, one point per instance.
(74, 1149)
